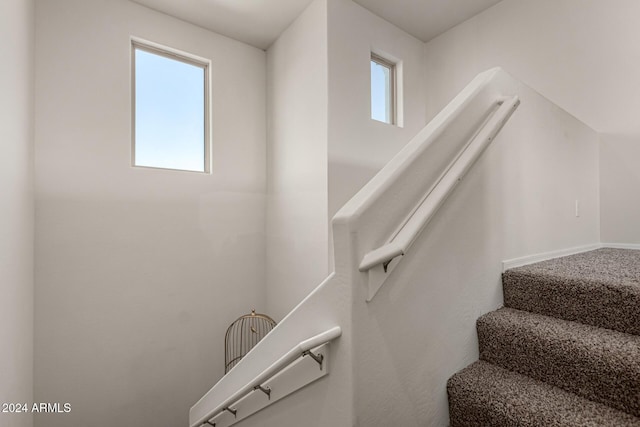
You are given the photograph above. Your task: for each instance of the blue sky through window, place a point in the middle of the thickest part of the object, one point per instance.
(380, 93)
(170, 113)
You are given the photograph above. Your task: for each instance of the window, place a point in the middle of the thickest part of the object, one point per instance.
(383, 90)
(170, 110)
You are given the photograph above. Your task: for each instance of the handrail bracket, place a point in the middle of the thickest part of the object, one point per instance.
(265, 390)
(317, 357)
(231, 411)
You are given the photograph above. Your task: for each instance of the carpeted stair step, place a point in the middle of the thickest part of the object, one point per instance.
(485, 395)
(600, 288)
(599, 364)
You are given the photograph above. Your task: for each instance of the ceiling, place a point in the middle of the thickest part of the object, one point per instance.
(255, 22)
(426, 19)
(260, 22)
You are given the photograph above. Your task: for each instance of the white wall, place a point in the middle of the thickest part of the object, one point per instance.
(619, 182)
(297, 223)
(17, 210)
(581, 54)
(138, 271)
(517, 200)
(320, 126)
(359, 146)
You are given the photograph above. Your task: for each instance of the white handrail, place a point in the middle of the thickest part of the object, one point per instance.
(363, 200)
(297, 351)
(400, 243)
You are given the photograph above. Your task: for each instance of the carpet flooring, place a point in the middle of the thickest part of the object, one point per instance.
(564, 351)
(600, 288)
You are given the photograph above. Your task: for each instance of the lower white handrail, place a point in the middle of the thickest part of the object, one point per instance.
(301, 349)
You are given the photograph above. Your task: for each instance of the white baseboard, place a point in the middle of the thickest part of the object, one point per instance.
(531, 259)
(635, 246)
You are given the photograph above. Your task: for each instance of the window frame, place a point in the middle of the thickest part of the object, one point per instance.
(393, 87)
(177, 55)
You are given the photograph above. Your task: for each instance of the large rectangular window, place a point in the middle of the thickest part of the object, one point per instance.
(170, 110)
(383, 88)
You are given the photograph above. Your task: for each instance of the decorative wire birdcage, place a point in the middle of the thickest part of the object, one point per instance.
(243, 335)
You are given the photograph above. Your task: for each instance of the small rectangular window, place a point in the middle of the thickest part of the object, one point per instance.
(170, 110)
(383, 88)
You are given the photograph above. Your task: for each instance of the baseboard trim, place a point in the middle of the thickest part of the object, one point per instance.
(635, 246)
(531, 259)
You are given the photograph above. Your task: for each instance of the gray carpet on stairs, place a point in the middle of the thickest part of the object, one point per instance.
(599, 364)
(564, 352)
(600, 288)
(489, 396)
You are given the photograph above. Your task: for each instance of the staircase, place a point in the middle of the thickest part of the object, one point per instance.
(564, 351)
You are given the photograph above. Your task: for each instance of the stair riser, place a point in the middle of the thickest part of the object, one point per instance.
(463, 413)
(485, 395)
(586, 369)
(616, 308)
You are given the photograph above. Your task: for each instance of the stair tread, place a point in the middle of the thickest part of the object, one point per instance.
(608, 266)
(600, 288)
(487, 395)
(599, 364)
